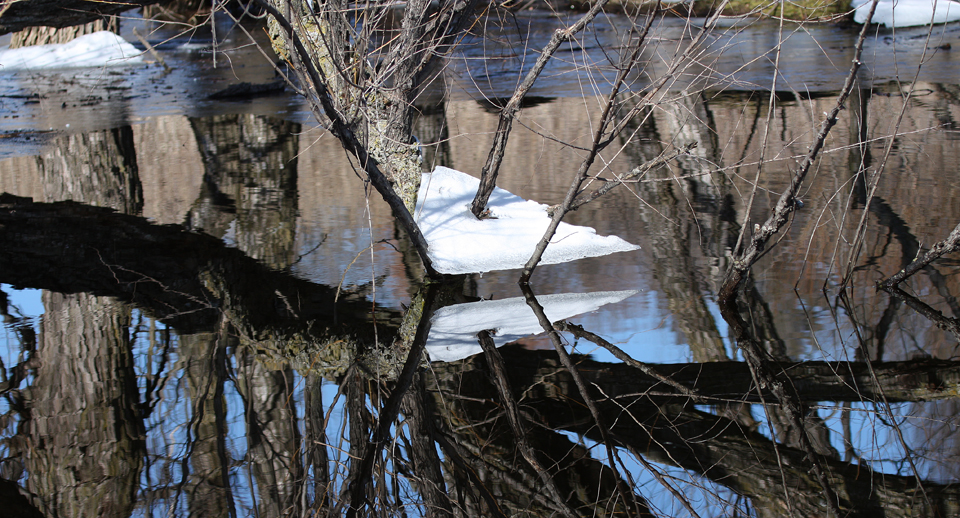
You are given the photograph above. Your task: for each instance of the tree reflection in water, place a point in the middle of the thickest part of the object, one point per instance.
(185, 370)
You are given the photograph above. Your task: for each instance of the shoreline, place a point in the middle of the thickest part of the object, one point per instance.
(817, 11)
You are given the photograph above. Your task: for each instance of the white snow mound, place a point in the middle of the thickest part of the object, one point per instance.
(99, 49)
(453, 329)
(907, 13)
(460, 243)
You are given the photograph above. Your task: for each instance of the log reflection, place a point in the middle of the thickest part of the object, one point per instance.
(672, 433)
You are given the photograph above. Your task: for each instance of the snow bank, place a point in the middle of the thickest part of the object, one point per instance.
(99, 49)
(460, 243)
(453, 329)
(907, 13)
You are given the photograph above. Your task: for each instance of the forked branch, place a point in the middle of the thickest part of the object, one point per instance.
(948, 245)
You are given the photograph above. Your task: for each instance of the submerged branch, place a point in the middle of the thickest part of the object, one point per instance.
(946, 323)
(598, 144)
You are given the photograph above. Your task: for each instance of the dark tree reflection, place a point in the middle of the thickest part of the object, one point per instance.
(81, 436)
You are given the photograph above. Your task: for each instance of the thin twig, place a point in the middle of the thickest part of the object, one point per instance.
(948, 245)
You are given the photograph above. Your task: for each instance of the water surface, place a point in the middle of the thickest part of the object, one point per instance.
(217, 323)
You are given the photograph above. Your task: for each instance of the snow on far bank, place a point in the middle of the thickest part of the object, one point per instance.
(98, 49)
(453, 329)
(460, 243)
(907, 13)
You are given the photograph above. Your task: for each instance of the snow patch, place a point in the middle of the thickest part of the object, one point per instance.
(453, 329)
(99, 49)
(907, 13)
(460, 243)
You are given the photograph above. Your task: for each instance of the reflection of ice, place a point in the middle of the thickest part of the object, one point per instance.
(460, 243)
(453, 329)
(99, 49)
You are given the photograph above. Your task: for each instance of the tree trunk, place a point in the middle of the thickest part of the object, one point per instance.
(41, 35)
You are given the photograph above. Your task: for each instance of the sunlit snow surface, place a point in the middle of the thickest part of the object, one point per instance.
(907, 13)
(453, 329)
(460, 243)
(99, 49)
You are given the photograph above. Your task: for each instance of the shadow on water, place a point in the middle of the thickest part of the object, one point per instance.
(205, 314)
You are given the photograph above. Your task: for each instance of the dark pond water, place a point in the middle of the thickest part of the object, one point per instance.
(218, 325)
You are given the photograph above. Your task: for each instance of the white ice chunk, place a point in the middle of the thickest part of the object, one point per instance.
(907, 13)
(453, 329)
(460, 243)
(99, 49)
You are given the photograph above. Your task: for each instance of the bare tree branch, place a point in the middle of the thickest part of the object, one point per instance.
(744, 258)
(601, 139)
(949, 245)
(488, 175)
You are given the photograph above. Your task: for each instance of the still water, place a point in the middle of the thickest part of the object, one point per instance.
(218, 324)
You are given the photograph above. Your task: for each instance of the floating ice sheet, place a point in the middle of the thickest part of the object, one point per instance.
(460, 243)
(907, 13)
(98, 49)
(453, 329)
